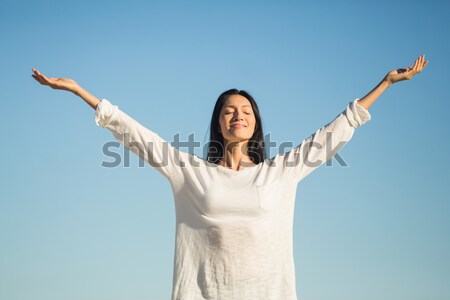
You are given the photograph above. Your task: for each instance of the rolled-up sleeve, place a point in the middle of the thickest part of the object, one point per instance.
(356, 114)
(149, 146)
(104, 113)
(323, 144)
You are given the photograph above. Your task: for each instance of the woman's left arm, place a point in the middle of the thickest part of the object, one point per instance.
(391, 78)
(324, 144)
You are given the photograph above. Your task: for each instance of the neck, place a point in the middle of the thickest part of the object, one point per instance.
(236, 155)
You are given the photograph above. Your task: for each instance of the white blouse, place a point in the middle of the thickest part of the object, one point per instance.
(233, 228)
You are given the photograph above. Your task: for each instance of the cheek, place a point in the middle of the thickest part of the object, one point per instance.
(222, 122)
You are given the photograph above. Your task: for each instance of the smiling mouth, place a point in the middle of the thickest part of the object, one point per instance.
(237, 126)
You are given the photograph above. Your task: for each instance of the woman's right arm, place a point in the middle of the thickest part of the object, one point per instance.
(145, 143)
(87, 97)
(67, 85)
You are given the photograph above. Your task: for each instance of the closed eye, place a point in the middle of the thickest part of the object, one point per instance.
(230, 112)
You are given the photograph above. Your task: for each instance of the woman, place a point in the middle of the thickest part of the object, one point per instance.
(234, 210)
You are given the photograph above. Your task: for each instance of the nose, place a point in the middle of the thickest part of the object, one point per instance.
(237, 116)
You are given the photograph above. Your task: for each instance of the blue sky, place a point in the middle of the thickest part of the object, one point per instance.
(72, 229)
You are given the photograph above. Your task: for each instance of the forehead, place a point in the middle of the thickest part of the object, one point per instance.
(237, 101)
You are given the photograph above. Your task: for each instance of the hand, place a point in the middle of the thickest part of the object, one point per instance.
(408, 73)
(55, 83)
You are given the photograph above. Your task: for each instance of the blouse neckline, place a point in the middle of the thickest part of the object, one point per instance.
(231, 171)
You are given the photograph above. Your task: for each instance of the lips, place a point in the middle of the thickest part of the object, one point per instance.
(237, 125)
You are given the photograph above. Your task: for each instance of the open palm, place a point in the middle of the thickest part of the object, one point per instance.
(55, 83)
(408, 73)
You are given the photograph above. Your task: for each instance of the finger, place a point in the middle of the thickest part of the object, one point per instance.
(44, 78)
(423, 66)
(37, 79)
(416, 63)
(41, 77)
(422, 63)
(419, 63)
(38, 74)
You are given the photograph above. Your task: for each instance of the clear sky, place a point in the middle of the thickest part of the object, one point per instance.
(72, 229)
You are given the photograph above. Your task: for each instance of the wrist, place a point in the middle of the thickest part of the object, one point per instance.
(76, 90)
(386, 82)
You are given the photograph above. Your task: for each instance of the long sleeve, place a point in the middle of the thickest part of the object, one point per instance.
(145, 143)
(322, 145)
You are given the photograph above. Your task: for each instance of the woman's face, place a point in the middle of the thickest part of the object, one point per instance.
(237, 120)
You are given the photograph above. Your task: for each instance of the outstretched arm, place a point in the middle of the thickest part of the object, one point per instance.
(148, 145)
(391, 78)
(325, 143)
(66, 84)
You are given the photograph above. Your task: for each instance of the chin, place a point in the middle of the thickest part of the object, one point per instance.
(238, 139)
